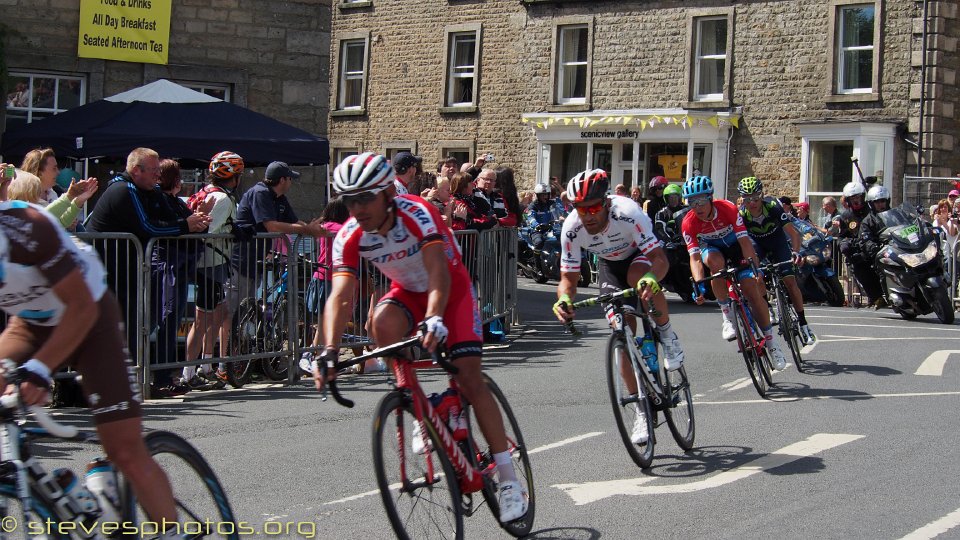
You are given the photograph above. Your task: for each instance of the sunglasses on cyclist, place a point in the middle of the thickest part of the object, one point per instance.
(360, 198)
(752, 198)
(700, 201)
(592, 210)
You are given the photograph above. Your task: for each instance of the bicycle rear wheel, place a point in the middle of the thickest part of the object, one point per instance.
(417, 507)
(628, 407)
(482, 458)
(245, 340)
(746, 340)
(789, 329)
(202, 505)
(276, 368)
(680, 413)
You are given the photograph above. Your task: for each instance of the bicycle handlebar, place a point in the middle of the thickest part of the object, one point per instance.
(12, 401)
(723, 273)
(593, 301)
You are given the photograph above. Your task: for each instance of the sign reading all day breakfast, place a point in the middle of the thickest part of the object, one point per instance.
(125, 30)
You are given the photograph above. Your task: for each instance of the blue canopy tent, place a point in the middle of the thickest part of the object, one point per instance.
(173, 120)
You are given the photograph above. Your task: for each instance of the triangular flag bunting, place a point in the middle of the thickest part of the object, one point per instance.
(627, 119)
(713, 120)
(735, 121)
(566, 121)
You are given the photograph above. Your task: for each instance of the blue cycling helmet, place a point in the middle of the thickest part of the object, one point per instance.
(697, 185)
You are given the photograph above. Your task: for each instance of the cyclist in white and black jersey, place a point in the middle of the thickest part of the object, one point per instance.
(617, 230)
(53, 288)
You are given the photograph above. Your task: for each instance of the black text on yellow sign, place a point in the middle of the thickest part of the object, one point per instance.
(125, 30)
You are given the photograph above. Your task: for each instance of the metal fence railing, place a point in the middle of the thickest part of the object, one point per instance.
(926, 190)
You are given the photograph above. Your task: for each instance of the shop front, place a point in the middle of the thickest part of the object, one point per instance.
(633, 145)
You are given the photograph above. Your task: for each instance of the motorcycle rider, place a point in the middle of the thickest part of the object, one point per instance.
(878, 199)
(655, 193)
(543, 209)
(848, 224)
(666, 222)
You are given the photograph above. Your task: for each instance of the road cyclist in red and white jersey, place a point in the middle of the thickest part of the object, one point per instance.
(406, 239)
(716, 235)
(620, 233)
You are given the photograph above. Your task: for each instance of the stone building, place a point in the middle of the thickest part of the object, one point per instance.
(786, 90)
(269, 56)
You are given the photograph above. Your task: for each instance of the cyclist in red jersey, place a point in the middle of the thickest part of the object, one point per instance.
(405, 238)
(715, 234)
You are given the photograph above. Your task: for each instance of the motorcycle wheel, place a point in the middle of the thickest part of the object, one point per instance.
(834, 292)
(540, 278)
(584, 277)
(943, 306)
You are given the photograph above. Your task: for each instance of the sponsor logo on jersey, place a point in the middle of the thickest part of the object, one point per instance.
(372, 247)
(621, 217)
(397, 255)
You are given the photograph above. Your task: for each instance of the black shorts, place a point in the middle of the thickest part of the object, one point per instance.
(613, 277)
(210, 291)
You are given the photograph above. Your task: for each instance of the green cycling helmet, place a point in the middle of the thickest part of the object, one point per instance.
(750, 185)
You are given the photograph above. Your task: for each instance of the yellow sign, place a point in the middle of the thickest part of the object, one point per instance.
(125, 30)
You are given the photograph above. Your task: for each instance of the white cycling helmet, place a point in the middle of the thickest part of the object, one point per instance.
(366, 172)
(540, 188)
(878, 193)
(853, 189)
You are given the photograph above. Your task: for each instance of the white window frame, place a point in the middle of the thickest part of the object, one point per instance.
(699, 57)
(31, 75)
(205, 88)
(840, 50)
(863, 135)
(470, 71)
(563, 63)
(343, 75)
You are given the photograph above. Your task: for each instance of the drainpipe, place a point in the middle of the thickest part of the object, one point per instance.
(727, 174)
(923, 88)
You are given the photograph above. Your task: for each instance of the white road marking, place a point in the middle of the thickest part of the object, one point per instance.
(807, 349)
(933, 365)
(788, 399)
(543, 448)
(589, 492)
(736, 383)
(938, 328)
(741, 383)
(935, 528)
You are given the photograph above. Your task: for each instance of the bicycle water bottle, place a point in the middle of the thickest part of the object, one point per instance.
(458, 424)
(74, 491)
(102, 483)
(649, 351)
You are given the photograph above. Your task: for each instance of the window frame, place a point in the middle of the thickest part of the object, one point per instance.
(692, 65)
(342, 43)
(862, 135)
(445, 147)
(447, 105)
(53, 111)
(699, 57)
(557, 102)
(834, 93)
(203, 86)
(390, 148)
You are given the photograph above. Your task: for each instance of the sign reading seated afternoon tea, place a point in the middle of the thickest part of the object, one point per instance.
(125, 30)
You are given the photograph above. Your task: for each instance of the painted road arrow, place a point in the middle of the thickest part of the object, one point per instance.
(589, 492)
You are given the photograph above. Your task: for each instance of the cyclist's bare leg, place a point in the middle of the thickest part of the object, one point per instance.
(474, 389)
(715, 262)
(626, 367)
(793, 290)
(123, 442)
(758, 303)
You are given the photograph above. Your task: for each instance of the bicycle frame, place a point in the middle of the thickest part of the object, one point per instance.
(736, 295)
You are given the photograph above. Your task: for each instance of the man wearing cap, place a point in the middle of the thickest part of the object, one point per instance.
(264, 208)
(952, 196)
(406, 165)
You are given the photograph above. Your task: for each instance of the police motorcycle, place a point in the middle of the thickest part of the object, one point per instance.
(538, 256)
(911, 264)
(817, 279)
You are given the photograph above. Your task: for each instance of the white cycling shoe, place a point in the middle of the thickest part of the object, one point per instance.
(512, 499)
(639, 435)
(728, 332)
(672, 351)
(417, 441)
(779, 360)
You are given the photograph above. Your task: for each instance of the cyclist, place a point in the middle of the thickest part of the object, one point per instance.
(617, 230)
(54, 290)
(405, 238)
(775, 238)
(715, 234)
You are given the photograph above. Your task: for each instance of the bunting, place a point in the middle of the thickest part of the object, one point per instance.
(643, 122)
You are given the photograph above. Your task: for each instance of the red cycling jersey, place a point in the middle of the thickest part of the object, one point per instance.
(724, 230)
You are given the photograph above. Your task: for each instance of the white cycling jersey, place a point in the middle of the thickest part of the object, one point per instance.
(628, 230)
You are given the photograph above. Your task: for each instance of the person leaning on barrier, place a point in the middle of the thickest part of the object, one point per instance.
(223, 177)
(133, 203)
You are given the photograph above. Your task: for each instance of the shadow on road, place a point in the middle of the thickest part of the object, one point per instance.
(826, 368)
(708, 460)
(565, 533)
(791, 391)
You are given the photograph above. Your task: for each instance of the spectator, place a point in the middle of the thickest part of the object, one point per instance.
(440, 197)
(952, 197)
(264, 208)
(466, 214)
(526, 199)
(508, 192)
(407, 166)
(802, 210)
(620, 190)
(133, 203)
(448, 167)
(42, 163)
(637, 195)
(223, 176)
(787, 204)
(465, 168)
(945, 218)
(488, 196)
(25, 187)
(830, 213)
(5, 180)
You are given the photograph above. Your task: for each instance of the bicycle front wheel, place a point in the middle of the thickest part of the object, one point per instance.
(746, 340)
(202, 505)
(483, 458)
(628, 407)
(789, 327)
(419, 490)
(40, 517)
(680, 413)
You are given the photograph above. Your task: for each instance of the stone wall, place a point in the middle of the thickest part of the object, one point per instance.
(780, 75)
(273, 54)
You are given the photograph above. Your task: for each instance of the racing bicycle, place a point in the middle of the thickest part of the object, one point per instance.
(427, 494)
(44, 511)
(663, 391)
(783, 313)
(750, 339)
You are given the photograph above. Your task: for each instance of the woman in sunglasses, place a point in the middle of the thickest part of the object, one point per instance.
(618, 231)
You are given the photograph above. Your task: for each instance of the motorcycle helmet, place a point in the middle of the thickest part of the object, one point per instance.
(588, 185)
(853, 195)
(672, 190)
(878, 193)
(658, 181)
(697, 185)
(750, 185)
(540, 188)
(364, 172)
